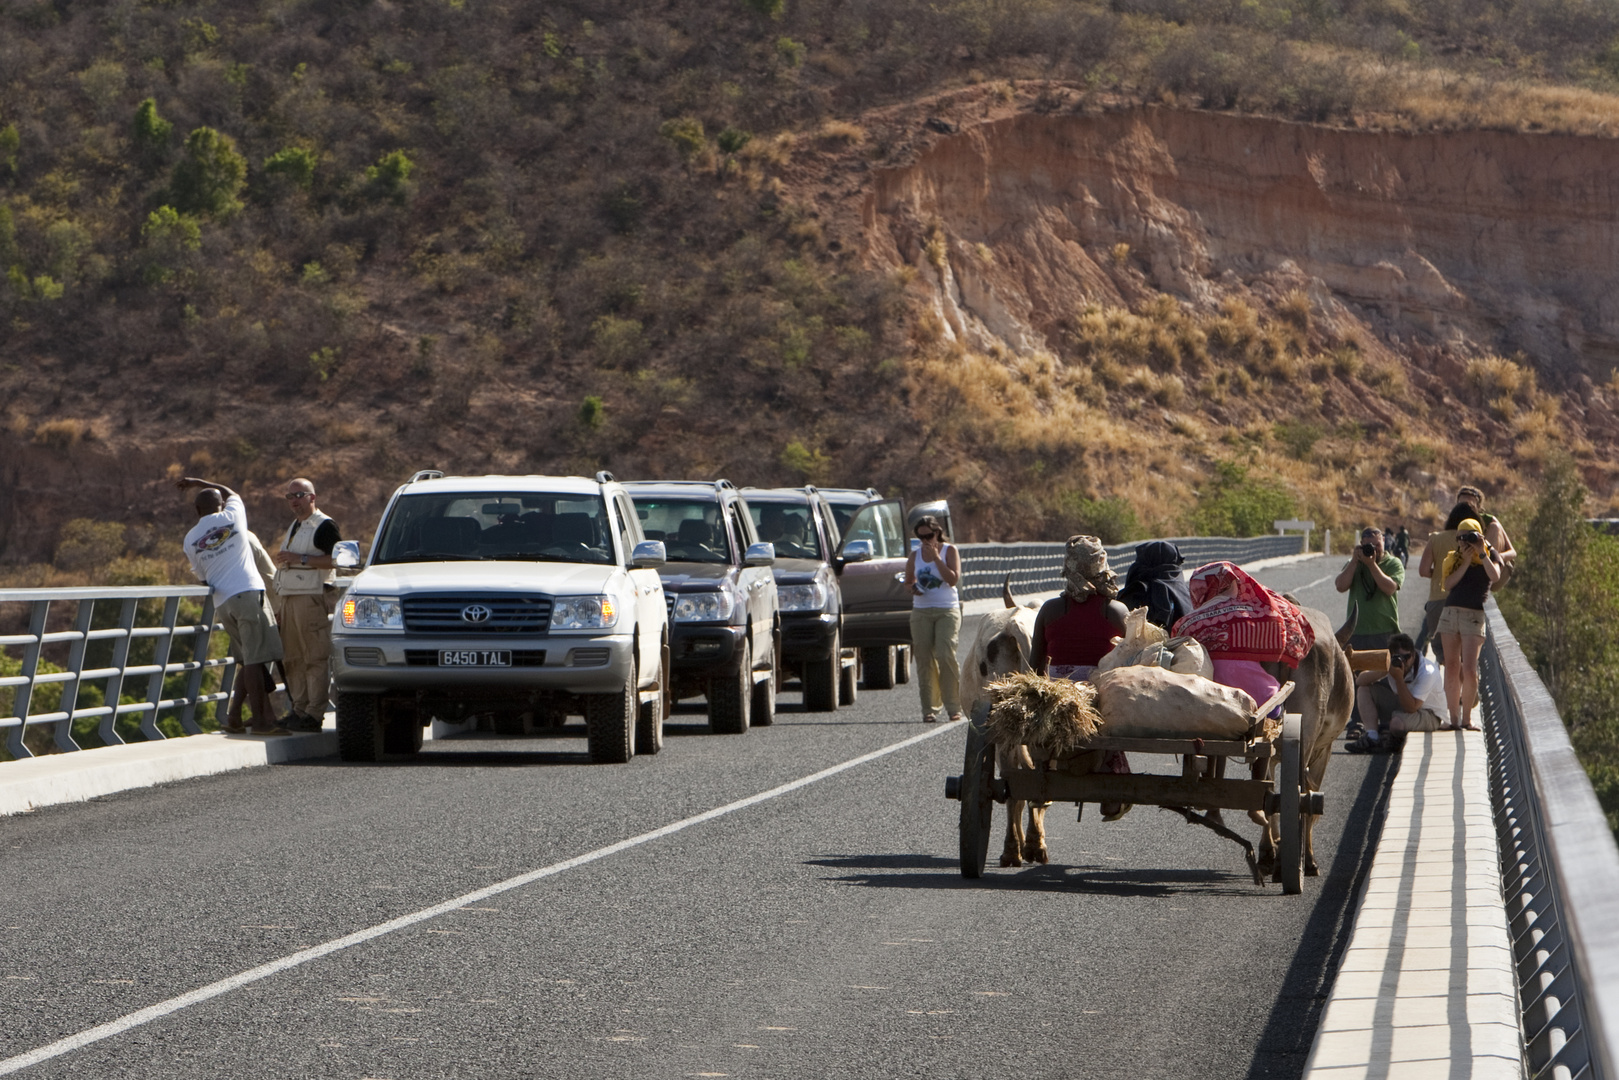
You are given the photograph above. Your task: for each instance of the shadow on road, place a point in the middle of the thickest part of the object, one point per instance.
(1285, 1043)
(1088, 878)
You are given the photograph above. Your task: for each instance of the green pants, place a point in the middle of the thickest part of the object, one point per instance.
(935, 633)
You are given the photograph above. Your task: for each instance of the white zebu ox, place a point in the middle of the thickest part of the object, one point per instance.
(1004, 644)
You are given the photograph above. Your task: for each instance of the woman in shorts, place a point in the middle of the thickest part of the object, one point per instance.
(1469, 572)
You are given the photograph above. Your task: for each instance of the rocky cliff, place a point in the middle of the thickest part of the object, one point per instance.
(1483, 239)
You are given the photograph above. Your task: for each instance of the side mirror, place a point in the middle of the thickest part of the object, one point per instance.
(649, 554)
(760, 554)
(346, 554)
(858, 551)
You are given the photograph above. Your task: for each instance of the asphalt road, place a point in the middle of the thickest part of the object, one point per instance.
(825, 931)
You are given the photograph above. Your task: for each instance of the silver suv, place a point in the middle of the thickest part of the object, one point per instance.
(514, 596)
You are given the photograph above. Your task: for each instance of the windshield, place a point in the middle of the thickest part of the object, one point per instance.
(527, 526)
(691, 530)
(788, 526)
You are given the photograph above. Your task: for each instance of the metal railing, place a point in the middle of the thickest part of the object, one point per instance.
(1559, 872)
(1037, 568)
(116, 676)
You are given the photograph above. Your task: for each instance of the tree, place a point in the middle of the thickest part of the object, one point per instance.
(389, 176)
(294, 165)
(1550, 573)
(170, 238)
(210, 176)
(151, 133)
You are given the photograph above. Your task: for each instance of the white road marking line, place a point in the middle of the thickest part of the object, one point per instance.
(1313, 584)
(359, 937)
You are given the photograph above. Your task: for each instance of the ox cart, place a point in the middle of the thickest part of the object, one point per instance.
(1201, 785)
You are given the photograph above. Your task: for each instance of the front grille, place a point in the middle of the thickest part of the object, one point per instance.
(508, 614)
(590, 657)
(520, 657)
(669, 602)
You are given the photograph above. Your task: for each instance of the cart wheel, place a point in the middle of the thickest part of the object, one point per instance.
(977, 803)
(1290, 853)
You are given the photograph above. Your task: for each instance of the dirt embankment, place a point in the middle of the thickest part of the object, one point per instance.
(1476, 240)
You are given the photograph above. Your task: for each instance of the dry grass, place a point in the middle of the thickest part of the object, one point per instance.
(841, 131)
(1053, 716)
(61, 434)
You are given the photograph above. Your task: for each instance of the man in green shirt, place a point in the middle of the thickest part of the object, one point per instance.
(1372, 578)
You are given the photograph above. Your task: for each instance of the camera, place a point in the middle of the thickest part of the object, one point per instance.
(1470, 537)
(1399, 660)
(1368, 550)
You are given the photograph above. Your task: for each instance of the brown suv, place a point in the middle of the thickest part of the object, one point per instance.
(876, 607)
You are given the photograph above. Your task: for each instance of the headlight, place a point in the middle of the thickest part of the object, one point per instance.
(803, 597)
(703, 607)
(583, 613)
(372, 613)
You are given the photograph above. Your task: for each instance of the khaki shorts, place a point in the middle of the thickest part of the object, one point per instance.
(1424, 719)
(1464, 621)
(253, 637)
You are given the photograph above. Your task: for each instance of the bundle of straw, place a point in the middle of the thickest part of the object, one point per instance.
(1053, 715)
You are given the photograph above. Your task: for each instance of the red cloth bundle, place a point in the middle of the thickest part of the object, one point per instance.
(1251, 624)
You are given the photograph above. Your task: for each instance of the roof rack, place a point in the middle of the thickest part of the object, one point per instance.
(425, 474)
(605, 477)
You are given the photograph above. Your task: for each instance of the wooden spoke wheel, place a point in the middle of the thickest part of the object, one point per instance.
(977, 802)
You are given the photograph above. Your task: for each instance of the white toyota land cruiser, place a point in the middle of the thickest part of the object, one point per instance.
(516, 596)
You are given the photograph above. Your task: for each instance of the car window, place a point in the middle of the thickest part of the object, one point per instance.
(788, 526)
(692, 530)
(880, 523)
(834, 535)
(744, 521)
(516, 525)
(843, 513)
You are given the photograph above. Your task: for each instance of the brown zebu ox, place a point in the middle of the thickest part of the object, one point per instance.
(1003, 644)
(1323, 696)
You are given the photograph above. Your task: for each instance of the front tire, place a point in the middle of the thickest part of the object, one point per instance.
(902, 664)
(878, 664)
(360, 730)
(730, 697)
(610, 721)
(649, 724)
(848, 681)
(764, 702)
(821, 678)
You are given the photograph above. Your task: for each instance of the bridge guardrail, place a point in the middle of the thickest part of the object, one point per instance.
(114, 676)
(1037, 567)
(1559, 871)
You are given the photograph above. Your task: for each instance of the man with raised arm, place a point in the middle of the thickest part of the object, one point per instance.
(222, 558)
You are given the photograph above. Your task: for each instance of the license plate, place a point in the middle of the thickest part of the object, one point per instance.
(474, 658)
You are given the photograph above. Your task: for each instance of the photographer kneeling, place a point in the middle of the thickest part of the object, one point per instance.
(1401, 700)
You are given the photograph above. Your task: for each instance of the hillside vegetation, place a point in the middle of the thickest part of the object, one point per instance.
(260, 238)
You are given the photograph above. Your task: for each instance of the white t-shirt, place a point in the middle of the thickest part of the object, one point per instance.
(220, 554)
(1426, 683)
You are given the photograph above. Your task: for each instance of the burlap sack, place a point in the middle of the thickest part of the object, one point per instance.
(1147, 645)
(1152, 703)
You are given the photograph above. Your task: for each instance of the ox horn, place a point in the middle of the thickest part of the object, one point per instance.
(1347, 630)
(1006, 591)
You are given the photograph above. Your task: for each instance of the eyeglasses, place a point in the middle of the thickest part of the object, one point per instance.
(296, 495)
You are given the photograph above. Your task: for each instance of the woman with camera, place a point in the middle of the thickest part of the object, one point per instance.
(932, 573)
(1468, 574)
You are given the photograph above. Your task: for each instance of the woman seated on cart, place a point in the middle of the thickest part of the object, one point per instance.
(1247, 629)
(1074, 631)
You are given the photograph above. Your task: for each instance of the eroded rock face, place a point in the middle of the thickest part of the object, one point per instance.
(1503, 240)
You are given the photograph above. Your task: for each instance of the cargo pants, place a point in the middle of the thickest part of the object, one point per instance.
(306, 636)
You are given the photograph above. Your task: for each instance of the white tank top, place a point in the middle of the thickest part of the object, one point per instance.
(930, 577)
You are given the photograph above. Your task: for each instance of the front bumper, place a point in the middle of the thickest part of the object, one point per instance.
(807, 636)
(575, 663)
(704, 648)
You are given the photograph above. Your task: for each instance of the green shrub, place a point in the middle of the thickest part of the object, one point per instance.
(790, 51)
(618, 340)
(1111, 519)
(209, 176)
(150, 131)
(811, 465)
(323, 361)
(169, 239)
(10, 143)
(390, 176)
(1237, 504)
(1299, 437)
(87, 544)
(732, 140)
(294, 165)
(592, 413)
(686, 133)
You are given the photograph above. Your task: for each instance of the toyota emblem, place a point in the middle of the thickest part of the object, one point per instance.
(476, 613)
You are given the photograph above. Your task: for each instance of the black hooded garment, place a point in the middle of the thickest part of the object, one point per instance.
(1155, 582)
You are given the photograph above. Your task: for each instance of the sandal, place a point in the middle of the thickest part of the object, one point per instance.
(955, 718)
(1364, 745)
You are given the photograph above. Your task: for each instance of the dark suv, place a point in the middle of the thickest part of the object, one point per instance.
(724, 620)
(876, 607)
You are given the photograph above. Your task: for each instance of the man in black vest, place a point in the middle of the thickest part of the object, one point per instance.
(303, 583)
